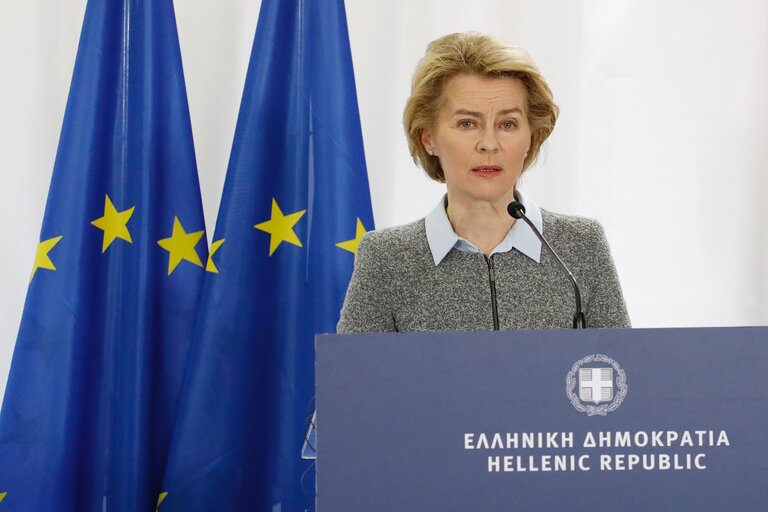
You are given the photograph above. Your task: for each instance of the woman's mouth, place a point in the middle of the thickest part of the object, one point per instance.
(486, 170)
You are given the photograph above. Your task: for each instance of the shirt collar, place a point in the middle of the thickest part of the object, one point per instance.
(442, 238)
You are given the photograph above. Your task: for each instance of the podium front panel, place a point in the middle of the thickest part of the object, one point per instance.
(629, 420)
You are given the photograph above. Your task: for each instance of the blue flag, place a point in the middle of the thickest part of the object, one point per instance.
(295, 204)
(94, 384)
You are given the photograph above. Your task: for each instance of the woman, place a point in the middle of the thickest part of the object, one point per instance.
(478, 114)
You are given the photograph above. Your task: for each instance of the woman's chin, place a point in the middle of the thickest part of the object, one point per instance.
(495, 198)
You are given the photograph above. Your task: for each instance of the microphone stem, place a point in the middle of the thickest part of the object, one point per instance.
(579, 320)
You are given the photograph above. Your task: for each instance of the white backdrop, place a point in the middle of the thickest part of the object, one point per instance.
(663, 134)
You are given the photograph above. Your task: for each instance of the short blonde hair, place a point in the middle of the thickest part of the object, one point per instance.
(473, 53)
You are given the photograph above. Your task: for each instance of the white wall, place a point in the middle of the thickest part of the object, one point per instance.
(662, 134)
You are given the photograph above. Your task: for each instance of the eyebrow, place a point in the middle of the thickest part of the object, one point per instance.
(465, 112)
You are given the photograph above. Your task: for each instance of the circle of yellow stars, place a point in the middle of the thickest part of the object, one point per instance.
(114, 224)
(280, 229)
(181, 244)
(161, 498)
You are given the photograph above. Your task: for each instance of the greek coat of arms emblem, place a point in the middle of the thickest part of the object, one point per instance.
(596, 385)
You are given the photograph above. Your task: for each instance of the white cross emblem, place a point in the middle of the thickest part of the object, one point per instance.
(596, 384)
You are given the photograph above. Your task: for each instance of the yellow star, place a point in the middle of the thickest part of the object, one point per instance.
(209, 265)
(181, 246)
(160, 499)
(351, 245)
(2, 495)
(280, 228)
(41, 257)
(114, 224)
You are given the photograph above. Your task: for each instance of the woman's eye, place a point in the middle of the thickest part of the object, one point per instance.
(466, 124)
(508, 125)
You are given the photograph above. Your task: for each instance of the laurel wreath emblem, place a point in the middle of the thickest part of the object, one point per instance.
(599, 410)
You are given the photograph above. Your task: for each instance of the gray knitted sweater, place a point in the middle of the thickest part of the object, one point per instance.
(396, 285)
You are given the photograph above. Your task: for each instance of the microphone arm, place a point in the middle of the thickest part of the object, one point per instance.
(517, 210)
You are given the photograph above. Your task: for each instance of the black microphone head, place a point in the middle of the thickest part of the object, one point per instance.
(516, 209)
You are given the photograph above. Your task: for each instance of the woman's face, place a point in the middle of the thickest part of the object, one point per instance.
(481, 137)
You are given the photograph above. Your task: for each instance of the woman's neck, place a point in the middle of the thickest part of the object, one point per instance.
(485, 224)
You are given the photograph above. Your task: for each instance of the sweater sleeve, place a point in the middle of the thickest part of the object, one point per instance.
(367, 305)
(605, 306)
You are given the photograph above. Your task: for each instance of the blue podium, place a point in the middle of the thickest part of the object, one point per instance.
(592, 420)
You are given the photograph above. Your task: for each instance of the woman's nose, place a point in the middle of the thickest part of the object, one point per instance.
(489, 142)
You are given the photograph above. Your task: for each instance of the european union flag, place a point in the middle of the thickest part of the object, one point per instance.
(96, 373)
(295, 204)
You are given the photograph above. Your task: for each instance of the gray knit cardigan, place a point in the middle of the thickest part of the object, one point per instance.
(396, 285)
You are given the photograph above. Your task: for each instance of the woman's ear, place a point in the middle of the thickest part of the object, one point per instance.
(426, 141)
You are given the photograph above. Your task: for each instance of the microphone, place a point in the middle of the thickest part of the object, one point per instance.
(517, 210)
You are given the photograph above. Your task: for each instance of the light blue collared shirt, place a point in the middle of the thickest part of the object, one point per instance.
(442, 238)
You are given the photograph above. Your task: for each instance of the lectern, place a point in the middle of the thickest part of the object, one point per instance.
(589, 420)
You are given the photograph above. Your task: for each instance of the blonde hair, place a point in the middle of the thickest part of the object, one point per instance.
(473, 53)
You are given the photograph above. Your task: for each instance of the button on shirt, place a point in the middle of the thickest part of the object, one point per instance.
(442, 238)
